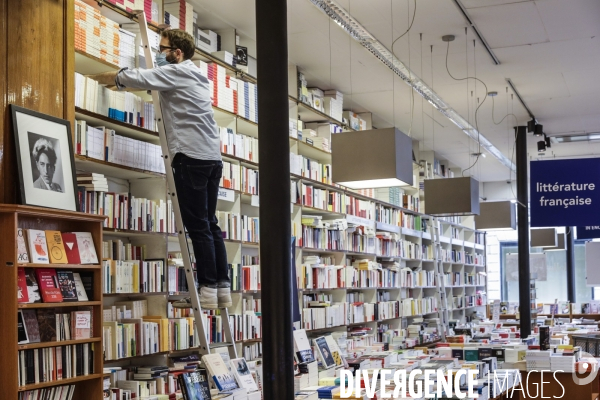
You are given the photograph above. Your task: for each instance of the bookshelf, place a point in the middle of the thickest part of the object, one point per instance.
(27, 217)
(458, 235)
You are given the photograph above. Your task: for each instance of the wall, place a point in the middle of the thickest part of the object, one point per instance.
(36, 72)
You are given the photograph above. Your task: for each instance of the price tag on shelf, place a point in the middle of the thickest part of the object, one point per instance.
(226, 195)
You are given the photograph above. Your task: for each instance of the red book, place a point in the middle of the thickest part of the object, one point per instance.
(71, 248)
(22, 294)
(48, 283)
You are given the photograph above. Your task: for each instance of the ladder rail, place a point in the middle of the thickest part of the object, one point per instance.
(181, 233)
(440, 281)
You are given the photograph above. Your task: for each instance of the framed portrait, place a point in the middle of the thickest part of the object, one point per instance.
(45, 159)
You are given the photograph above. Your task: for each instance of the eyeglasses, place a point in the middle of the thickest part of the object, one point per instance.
(163, 48)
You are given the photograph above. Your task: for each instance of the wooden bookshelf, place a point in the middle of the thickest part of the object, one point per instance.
(27, 217)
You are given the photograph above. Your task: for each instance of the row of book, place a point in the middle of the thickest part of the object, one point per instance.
(53, 286)
(52, 393)
(122, 106)
(310, 169)
(180, 14)
(334, 201)
(238, 227)
(150, 8)
(239, 177)
(238, 145)
(119, 250)
(245, 277)
(51, 325)
(102, 38)
(104, 144)
(51, 364)
(45, 247)
(128, 212)
(134, 276)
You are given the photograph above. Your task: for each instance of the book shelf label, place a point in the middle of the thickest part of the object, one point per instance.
(353, 219)
(382, 226)
(226, 195)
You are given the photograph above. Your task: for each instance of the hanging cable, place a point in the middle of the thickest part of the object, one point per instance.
(506, 116)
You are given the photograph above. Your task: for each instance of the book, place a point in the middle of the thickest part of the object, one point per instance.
(336, 352)
(87, 251)
(71, 248)
(302, 346)
(242, 374)
(47, 324)
(81, 325)
(66, 284)
(31, 326)
(324, 352)
(48, 283)
(56, 248)
(22, 254)
(88, 283)
(22, 293)
(219, 372)
(194, 385)
(38, 246)
(33, 289)
(21, 332)
(79, 287)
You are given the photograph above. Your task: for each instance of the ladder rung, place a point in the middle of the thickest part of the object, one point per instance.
(220, 344)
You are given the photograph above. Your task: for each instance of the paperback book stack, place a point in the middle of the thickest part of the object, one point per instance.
(126, 49)
(564, 362)
(334, 104)
(247, 100)
(95, 34)
(538, 360)
(183, 13)
(223, 88)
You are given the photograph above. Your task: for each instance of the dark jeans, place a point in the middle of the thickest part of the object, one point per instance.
(197, 183)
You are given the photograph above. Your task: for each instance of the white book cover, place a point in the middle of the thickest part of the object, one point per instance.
(222, 378)
(303, 350)
(38, 246)
(242, 374)
(81, 294)
(87, 251)
(22, 254)
(335, 351)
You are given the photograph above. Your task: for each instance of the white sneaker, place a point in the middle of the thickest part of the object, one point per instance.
(208, 298)
(224, 297)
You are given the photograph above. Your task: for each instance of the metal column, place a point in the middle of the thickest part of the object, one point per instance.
(275, 221)
(523, 230)
(570, 244)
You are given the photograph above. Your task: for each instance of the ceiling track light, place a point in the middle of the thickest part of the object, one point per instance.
(465, 14)
(538, 130)
(541, 145)
(547, 140)
(353, 28)
(514, 89)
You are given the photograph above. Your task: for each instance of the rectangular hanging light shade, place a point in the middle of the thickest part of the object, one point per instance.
(560, 238)
(452, 196)
(543, 237)
(372, 159)
(496, 215)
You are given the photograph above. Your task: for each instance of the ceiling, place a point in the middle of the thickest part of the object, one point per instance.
(550, 49)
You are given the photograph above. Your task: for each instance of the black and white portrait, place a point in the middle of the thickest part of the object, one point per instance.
(45, 162)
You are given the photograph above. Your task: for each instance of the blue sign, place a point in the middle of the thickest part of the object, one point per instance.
(588, 232)
(565, 192)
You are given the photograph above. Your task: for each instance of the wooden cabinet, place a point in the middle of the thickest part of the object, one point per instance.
(26, 217)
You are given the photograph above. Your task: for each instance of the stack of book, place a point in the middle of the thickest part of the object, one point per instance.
(231, 176)
(133, 276)
(334, 104)
(92, 182)
(49, 364)
(241, 146)
(230, 225)
(121, 106)
(249, 180)
(95, 34)
(126, 49)
(223, 88)
(247, 100)
(183, 11)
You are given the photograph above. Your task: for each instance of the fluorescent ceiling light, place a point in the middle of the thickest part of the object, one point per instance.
(585, 137)
(347, 22)
(373, 183)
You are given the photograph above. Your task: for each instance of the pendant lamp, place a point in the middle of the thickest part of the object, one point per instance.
(545, 237)
(374, 158)
(496, 215)
(561, 243)
(452, 196)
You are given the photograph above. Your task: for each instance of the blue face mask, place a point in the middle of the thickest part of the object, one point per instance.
(161, 59)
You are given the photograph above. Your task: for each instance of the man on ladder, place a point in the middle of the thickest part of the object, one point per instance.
(193, 140)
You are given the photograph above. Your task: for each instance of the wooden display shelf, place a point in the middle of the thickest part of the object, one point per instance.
(59, 343)
(62, 266)
(60, 382)
(61, 304)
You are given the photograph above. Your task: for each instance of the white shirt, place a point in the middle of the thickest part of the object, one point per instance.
(186, 107)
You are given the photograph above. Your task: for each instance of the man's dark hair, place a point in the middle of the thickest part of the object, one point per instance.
(181, 40)
(43, 146)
